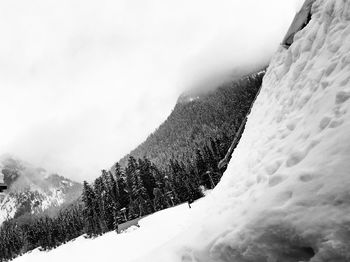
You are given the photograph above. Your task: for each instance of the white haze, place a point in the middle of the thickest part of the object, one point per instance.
(84, 82)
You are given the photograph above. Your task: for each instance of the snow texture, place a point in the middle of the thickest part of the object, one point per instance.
(285, 195)
(135, 243)
(32, 190)
(8, 208)
(38, 200)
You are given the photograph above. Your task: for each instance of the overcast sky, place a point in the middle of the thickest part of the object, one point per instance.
(82, 82)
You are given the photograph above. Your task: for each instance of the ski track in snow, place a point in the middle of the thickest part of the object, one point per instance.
(285, 195)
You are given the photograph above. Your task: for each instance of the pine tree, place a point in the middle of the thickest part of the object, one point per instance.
(113, 189)
(109, 198)
(101, 204)
(209, 158)
(134, 209)
(200, 163)
(159, 199)
(130, 174)
(118, 171)
(148, 179)
(215, 150)
(122, 192)
(89, 211)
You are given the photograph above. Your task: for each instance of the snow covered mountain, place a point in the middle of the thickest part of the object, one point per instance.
(285, 194)
(32, 190)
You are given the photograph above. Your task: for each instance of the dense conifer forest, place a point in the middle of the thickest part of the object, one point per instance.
(196, 119)
(174, 165)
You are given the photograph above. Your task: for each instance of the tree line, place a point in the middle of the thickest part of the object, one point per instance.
(117, 196)
(194, 121)
(142, 188)
(20, 236)
(172, 166)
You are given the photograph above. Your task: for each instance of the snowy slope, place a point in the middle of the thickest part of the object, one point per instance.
(285, 195)
(154, 231)
(15, 204)
(33, 190)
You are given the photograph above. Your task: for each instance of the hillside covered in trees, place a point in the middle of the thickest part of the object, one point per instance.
(198, 118)
(174, 165)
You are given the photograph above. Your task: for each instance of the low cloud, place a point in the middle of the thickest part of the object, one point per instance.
(83, 82)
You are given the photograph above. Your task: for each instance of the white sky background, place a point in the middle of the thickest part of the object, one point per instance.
(82, 82)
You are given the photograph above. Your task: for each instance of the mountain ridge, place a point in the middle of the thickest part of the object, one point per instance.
(196, 118)
(32, 190)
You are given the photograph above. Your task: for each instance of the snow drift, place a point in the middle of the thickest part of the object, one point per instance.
(285, 195)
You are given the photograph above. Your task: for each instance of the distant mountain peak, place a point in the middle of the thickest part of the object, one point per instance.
(32, 190)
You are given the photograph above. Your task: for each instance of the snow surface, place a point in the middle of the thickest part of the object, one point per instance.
(154, 230)
(39, 200)
(8, 208)
(286, 193)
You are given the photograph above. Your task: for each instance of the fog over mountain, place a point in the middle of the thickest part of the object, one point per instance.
(84, 82)
(32, 190)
